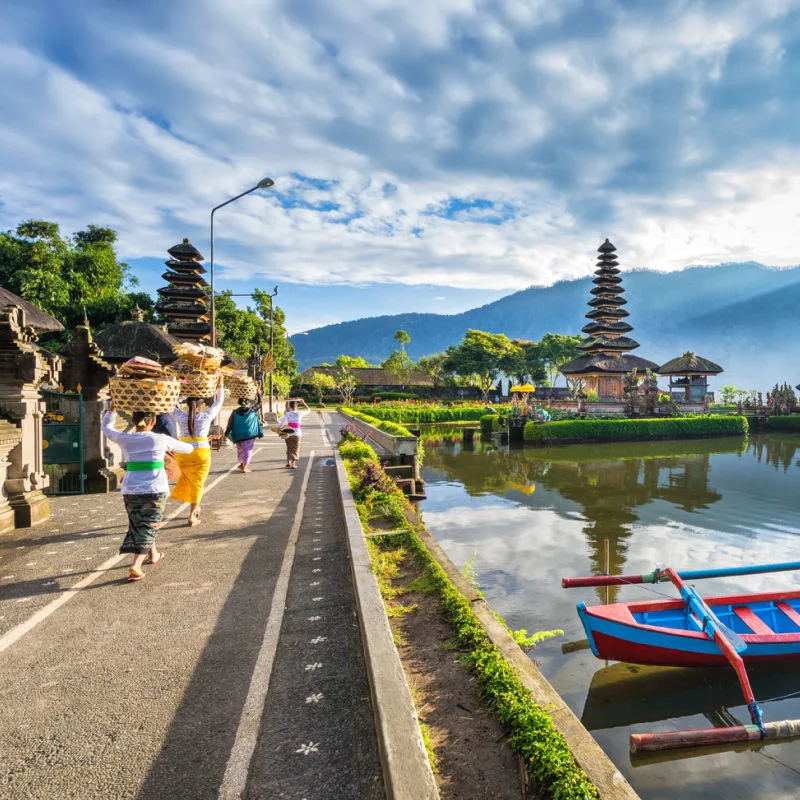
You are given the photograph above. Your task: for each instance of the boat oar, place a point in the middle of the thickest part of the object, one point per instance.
(687, 575)
(672, 740)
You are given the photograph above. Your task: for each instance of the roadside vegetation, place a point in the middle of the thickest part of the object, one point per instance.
(531, 732)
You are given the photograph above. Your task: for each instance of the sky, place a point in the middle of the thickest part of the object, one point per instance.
(427, 156)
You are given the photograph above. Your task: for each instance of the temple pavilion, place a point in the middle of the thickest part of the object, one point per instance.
(184, 302)
(606, 346)
(688, 377)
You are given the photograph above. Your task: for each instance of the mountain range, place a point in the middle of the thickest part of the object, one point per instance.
(743, 316)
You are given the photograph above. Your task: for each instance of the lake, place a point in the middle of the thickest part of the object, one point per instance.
(530, 516)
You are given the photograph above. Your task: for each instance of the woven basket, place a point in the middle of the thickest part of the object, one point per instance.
(243, 390)
(157, 395)
(198, 384)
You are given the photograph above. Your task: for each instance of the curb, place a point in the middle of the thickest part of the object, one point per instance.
(407, 773)
(592, 759)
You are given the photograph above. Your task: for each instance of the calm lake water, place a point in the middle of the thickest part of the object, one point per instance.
(531, 516)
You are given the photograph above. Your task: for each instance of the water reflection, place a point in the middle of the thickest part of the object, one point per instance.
(534, 515)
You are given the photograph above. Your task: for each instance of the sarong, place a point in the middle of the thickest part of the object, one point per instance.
(144, 511)
(244, 450)
(292, 448)
(194, 468)
(171, 467)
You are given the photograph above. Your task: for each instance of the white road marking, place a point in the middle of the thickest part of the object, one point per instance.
(17, 632)
(235, 779)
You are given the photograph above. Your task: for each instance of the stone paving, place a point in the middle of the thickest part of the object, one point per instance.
(234, 670)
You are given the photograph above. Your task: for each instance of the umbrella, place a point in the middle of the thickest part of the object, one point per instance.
(526, 388)
(514, 389)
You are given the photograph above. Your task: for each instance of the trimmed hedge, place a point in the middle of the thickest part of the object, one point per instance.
(387, 427)
(421, 412)
(784, 423)
(488, 424)
(620, 430)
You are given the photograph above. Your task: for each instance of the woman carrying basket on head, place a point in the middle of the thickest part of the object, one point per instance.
(243, 428)
(194, 426)
(144, 487)
(292, 420)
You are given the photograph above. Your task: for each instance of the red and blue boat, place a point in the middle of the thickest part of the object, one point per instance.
(692, 631)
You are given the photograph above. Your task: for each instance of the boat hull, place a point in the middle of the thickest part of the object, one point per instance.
(662, 633)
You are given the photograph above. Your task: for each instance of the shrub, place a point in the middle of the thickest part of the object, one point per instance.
(378, 396)
(427, 412)
(784, 423)
(356, 450)
(488, 424)
(388, 427)
(617, 430)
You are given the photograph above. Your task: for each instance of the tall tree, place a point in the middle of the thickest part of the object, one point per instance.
(399, 366)
(433, 367)
(402, 338)
(556, 350)
(526, 363)
(321, 383)
(482, 356)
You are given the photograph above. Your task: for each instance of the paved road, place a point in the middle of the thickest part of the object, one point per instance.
(233, 670)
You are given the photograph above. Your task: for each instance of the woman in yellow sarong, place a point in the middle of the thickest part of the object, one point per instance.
(194, 426)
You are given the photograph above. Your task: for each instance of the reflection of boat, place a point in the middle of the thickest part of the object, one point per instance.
(630, 694)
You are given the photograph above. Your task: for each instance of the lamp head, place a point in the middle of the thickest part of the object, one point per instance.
(265, 183)
(275, 292)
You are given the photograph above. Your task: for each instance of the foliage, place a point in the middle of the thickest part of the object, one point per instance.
(356, 450)
(380, 396)
(489, 423)
(346, 384)
(481, 355)
(425, 412)
(391, 428)
(555, 350)
(433, 367)
(352, 362)
(617, 430)
(526, 363)
(402, 338)
(532, 733)
(398, 365)
(321, 384)
(781, 423)
(63, 275)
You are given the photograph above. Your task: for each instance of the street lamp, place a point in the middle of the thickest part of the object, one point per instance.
(264, 183)
(271, 342)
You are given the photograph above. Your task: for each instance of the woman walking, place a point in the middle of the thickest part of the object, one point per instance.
(243, 428)
(293, 419)
(194, 426)
(144, 487)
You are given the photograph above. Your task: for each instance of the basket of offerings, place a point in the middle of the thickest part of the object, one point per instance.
(200, 357)
(142, 385)
(243, 389)
(196, 368)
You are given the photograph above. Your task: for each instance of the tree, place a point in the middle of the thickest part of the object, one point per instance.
(399, 366)
(62, 276)
(352, 362)
(526, 363)
(241, 330)
(556, 350)
(433, 367)
(346, 384)
(321, 383)
(402, 338)
(480, 355)
(728, 394)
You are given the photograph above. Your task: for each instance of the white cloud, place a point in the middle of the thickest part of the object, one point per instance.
(583, 130)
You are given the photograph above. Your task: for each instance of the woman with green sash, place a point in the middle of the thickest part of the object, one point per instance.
(145, 487)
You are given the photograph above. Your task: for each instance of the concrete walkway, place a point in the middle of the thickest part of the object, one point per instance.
(234, 670)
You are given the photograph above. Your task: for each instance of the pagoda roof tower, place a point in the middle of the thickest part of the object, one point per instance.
(607, 344)
(184, 302)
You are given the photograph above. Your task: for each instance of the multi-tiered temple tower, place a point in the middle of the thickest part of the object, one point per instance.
(185, 302)
(606, 346)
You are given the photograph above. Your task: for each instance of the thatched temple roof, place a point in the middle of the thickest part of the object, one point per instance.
(132, 338)
(35, 317)
(689, 364)
(588, 365)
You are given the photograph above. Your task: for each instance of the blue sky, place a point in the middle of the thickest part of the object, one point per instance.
(427, 156)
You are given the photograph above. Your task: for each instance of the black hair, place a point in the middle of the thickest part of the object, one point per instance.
(141, 419)
(193, 403)
(242, 402)
(292, 405)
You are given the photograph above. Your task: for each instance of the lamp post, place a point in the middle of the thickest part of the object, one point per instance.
(271, 342)
(264, 183)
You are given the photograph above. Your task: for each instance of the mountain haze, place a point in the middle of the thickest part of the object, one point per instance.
(743, 316)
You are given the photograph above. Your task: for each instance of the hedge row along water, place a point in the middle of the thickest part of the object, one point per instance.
(384, 425)
(424, 412)
(532, 733)
(619, 430)
(784, 423)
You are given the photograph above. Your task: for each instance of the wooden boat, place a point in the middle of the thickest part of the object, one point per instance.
(695, 632)
(666, 633)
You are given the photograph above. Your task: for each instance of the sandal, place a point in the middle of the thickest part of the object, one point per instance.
(135, 575)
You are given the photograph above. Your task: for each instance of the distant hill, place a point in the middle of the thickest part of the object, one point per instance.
(743, 316)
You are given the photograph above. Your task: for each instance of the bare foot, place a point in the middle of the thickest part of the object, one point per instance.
(194, 521)
(154, 559)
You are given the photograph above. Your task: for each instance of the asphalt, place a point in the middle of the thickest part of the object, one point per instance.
(235, 669)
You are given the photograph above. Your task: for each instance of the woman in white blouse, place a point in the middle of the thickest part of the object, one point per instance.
(145, 487)
(194, 427)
